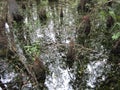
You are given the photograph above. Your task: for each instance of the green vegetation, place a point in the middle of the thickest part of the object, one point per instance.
(33, 50)
(42, 30)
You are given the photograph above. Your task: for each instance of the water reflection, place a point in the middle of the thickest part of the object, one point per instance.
(8, 77)
(95, 70)
(59, 80)
(54, 37)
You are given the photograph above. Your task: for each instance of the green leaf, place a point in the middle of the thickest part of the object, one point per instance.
(112, 13)
(116, 36)
(102, 15)
(34, 49)
(118, 24)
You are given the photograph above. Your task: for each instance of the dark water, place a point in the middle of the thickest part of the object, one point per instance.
(55, 37)
(54, 34)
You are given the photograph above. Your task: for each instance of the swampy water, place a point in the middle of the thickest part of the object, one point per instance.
(90, 66)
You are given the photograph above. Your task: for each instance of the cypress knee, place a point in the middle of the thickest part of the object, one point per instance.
(110, 22)
(61, 13)
(14, 11)
(116, 48)
(87, 25)
(109, 3)
(42, 14)
(83, 5)
(39, 69)
(71, 53)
